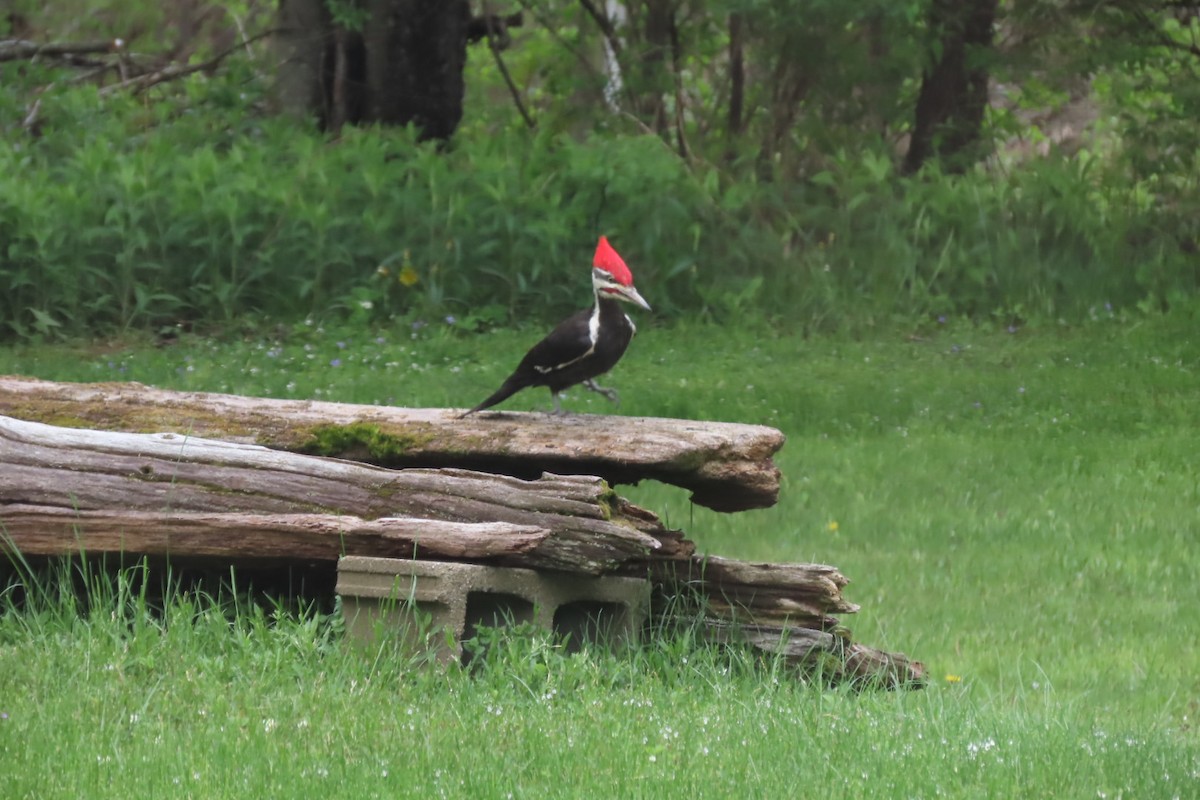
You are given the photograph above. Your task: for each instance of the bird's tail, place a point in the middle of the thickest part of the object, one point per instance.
(499, 396)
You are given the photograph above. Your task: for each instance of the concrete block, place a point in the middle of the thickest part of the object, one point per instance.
(436, 605)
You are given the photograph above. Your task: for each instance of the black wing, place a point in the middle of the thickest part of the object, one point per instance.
(543, 365)
(568, 344)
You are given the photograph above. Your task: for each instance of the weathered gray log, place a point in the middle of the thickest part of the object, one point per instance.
(579, 523)
(67, 490)
(761, 594)
(726, 466)
(247, 538)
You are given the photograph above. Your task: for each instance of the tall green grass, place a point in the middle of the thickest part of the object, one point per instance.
(1017, 507)
(198, 699)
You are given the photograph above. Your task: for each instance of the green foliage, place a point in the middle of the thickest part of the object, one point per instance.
(135, 221)
(186, 207)
(348, 14)
(1052, 239)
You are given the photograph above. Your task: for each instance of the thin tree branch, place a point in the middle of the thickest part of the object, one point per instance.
(494, 46)
(141, 83)
(556, 36)
(31, 119)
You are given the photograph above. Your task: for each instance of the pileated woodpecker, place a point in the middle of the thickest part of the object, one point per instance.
(584, 345)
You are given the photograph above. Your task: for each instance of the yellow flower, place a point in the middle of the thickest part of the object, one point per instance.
(832, 526)
(408, 276)
(954, 679)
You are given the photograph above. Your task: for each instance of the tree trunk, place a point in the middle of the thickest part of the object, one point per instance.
(954, 90)
(304, 38)
(726, 466)
(404, 66)
(416, 51)
(737, 80)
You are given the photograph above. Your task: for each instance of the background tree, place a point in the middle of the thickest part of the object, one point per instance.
(954, 89)
(389, 61)
(148, 183)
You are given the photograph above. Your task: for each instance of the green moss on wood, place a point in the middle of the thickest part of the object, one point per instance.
(607, 500)
(360, 438)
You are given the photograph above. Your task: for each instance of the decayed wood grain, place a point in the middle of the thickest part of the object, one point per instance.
(240, 537)
(726, 466)
(68, 490)
(757, 593)
(583, 528)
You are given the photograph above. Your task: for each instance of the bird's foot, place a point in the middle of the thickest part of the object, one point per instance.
(611, 394)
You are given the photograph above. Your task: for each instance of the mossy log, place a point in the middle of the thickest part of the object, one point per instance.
(66, 491)
(726, 466)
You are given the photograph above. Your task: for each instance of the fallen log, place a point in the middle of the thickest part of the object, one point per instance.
(52, 478)
(726, 466)
(273, 538)
(66, 491)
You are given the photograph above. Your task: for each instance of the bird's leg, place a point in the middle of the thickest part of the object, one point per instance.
(611, 394)
(558, 411)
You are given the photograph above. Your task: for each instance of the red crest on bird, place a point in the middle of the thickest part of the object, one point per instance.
(607, 259)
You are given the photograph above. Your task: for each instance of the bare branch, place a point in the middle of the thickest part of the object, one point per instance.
(18, 49)
(170, 72)
(31, 119)
(497, 34)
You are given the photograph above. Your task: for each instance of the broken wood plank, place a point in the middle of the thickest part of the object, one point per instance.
(726, 466)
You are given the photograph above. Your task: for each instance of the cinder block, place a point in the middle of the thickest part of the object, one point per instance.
(436, 605)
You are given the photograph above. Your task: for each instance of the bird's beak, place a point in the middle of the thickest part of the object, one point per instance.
(630, 294)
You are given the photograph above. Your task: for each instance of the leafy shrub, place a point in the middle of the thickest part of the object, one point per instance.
(123, 214)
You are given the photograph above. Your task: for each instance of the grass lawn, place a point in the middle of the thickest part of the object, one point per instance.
(1019, 509)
